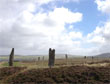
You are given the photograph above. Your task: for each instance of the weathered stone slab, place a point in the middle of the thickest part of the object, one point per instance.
(11, 57)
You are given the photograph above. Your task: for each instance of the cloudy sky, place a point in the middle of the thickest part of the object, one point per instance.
(79, 27)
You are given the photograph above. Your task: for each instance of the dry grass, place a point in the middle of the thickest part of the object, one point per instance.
(61, 62)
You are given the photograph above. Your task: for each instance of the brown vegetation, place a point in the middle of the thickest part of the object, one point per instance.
(7, 71)
(66, 75)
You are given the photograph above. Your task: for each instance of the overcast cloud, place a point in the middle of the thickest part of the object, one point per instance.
(25, 26)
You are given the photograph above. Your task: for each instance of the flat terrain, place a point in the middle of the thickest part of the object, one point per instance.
(33, 62)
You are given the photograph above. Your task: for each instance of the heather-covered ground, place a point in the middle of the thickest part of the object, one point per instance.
(8, 71)
(65, 75)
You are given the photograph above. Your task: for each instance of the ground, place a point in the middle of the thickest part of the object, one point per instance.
(88, 71)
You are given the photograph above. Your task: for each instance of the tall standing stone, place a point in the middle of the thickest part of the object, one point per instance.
(66, 56)
(51, 57)
(11, 57)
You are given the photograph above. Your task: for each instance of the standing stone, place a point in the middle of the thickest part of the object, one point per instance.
(38, 58)
(11, 57)
(85, 59)
(51, 57)
(92, 59)
(66, 56)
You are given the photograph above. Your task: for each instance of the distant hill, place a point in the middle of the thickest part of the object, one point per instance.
(104, 55)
